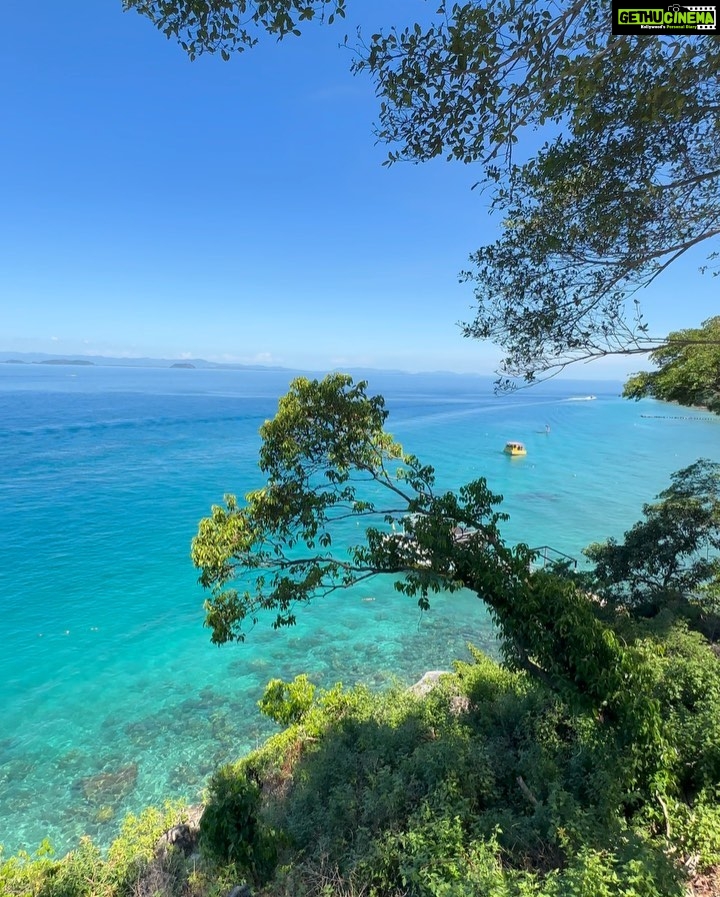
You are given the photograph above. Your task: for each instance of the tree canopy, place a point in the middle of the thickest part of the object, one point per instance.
(232, 26)
(688, 369)
(625, 182)
(327, 459)
(620, 180)
(328, 464)
(674, 553)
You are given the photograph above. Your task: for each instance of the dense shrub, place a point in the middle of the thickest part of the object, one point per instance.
(231, 831)
(87, 872)
(494, 784)
(287, 702)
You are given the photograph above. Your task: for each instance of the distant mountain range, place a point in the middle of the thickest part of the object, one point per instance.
(357, 372)
(111, 361)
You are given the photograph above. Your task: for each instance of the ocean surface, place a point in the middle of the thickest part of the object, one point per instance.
(112, 696)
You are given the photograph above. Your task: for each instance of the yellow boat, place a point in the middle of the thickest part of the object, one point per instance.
(515, 449)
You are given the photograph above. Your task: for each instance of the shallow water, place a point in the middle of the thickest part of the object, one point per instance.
(113, 696)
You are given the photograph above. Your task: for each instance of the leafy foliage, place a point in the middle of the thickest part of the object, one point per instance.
(287, 702)
(227, 26)
(328, 461)
(494, 783)
(624, 183)
(323, 454)
(25, 873)
(86, 872)
(230, 829)
(671, 555)
(688, 369)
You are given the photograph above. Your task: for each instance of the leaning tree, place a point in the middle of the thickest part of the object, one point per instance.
(327, 459)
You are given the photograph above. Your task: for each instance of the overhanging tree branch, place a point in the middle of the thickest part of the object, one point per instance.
(627, 177)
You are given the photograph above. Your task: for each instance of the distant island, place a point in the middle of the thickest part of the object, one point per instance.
(81, 361)
(10, 357)
(13, 357)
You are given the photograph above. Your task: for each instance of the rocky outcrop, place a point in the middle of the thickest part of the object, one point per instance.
(458, 703)
(166, 872)
(427, 683)
(184, 835)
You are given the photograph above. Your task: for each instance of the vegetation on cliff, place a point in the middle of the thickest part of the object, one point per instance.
(586, 762)
(578, 766)
(491, 784)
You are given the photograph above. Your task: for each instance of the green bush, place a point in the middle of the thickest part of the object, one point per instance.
(287, 702)
(697, 828)
(493, 783)
(24, 874)
(82, 873)
(434, 856)
(86, 872)
(230, 829)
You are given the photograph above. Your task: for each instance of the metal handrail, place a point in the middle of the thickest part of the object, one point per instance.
(544, 549)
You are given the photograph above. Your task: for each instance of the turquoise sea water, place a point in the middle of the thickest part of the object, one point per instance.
(112, 696)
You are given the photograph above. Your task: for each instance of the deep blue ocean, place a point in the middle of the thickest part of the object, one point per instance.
(112, 696)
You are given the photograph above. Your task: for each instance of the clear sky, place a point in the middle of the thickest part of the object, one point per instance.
(233, 211)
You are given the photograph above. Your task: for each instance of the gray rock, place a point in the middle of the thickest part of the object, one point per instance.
(240, 891)
(427, 683)
(184, 835)
(180, 836)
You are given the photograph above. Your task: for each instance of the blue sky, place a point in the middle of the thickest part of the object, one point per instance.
(233, 211)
